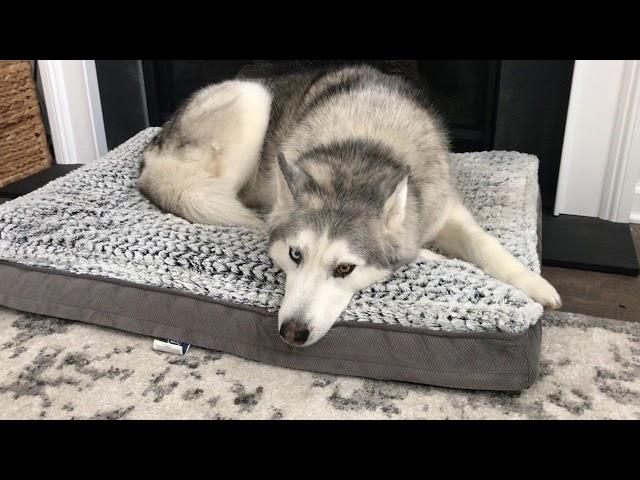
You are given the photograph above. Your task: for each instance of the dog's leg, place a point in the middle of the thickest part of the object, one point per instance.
(426, 254)
(462, 237)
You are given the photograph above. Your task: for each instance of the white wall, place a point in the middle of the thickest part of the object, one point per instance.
(601, 152)
(635, 209)
(72, 98)
(635, 154)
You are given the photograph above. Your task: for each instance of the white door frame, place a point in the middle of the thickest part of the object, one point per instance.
(72, 99)
(601, 152)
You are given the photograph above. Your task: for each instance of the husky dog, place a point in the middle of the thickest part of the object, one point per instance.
(350, 165)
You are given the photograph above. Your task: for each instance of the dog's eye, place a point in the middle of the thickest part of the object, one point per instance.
(295, 254)
(343, 270)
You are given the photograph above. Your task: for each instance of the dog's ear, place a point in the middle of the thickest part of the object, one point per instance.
(295, 178)
(284, 197)
(287, 171)
(393, 211)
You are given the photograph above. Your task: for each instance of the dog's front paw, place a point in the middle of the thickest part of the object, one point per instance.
(537, 288)
(426, 254)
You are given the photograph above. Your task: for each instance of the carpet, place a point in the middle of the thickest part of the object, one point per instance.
(58, 369)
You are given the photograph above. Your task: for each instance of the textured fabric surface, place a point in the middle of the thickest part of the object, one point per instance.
(95, 221)
(479, 360)
(57, 369)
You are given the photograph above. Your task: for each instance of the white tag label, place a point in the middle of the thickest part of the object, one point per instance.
(171, 346)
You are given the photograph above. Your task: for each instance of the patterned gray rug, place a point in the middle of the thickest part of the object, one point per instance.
(56, 369)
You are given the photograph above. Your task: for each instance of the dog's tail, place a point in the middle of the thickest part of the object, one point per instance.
(185, 191)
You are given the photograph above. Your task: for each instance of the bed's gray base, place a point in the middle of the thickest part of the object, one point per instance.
(487, 361)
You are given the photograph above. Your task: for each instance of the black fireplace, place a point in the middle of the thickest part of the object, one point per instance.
(516, 105)
(463, 91)
(486, 104)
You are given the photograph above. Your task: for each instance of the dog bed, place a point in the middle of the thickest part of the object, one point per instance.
(90, 247)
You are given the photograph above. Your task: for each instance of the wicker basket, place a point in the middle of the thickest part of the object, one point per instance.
(23, 141)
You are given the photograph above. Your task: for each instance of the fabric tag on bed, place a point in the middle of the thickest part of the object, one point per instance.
(171, 346)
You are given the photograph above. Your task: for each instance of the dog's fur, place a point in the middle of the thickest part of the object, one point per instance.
(351, 167)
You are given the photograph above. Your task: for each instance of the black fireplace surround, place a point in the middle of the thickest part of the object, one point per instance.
(516, 105)
(486, 104)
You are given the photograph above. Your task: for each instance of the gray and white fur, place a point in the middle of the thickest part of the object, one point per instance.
(349, 167)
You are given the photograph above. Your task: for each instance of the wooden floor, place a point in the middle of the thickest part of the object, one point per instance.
(593, 293)
(598, 294)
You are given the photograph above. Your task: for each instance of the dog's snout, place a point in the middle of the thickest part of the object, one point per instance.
(294, 332)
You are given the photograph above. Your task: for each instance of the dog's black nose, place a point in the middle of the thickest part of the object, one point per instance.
(294, 332)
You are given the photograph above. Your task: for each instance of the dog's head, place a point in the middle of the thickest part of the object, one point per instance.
(333, 233)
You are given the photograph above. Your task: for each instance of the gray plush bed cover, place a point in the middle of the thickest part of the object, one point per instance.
(95, 221)
(90, 247)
